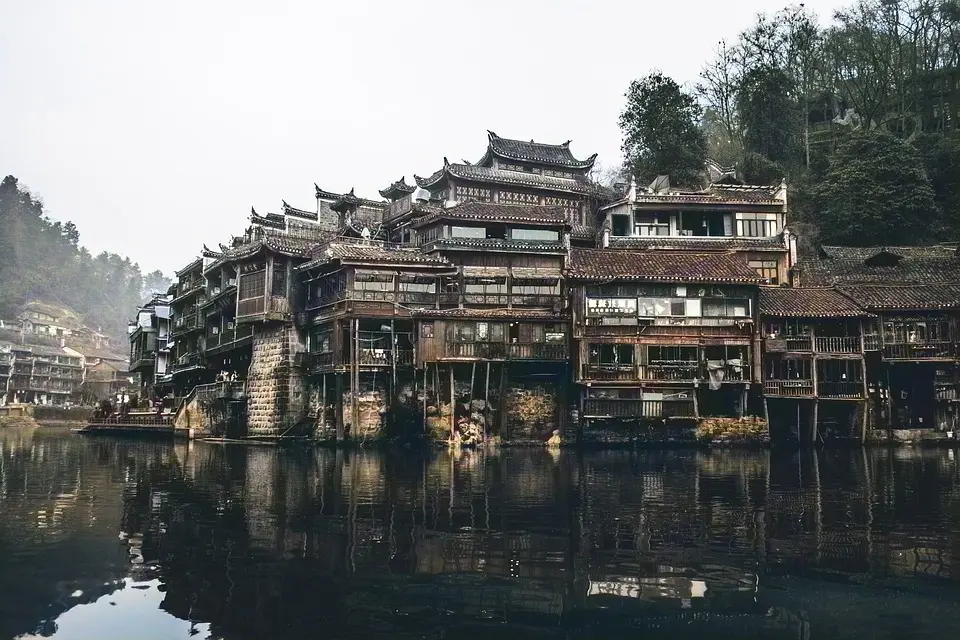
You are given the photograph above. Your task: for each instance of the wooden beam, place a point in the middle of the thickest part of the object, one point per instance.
(486, 403)
(816, 419)
(453, 405)
(425, 366)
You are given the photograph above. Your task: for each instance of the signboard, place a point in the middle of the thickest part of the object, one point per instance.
(776, 344)
(611, 306)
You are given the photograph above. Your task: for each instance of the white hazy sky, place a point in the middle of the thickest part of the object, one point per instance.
(156, 125)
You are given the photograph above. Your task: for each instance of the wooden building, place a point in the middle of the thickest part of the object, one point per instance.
(34, 374)
(661, 336)
(747, 219)
(910, 348)
(359, 299)
(814, 370)
(149, 353)
(188, 296)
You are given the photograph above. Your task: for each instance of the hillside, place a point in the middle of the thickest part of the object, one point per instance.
(43, 261)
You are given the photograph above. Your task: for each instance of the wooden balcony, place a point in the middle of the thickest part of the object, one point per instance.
(871, 342)
(633, 408)
(504, 351)
(838, 345)
(920, 351)
(186, 362)
(318, 362)
(187, 323)
(229, 339)
(840, 390)
(788, 388)
(263, 308)
(662, 371)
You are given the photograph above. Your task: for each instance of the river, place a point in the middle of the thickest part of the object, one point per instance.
(103, 538)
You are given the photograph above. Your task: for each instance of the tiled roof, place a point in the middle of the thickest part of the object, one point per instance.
(347, 252)
(905, 297)
(196, 265)
(496, 244)
(298, 213)
(807, 303)
(273, 220)
(350, 199)
(557, 155)
(862, 253)
(521, 314)
(397, 189)
(715, 194)
(495, 212)
(583, 232)
(660, 266)
(692, 243)
(475, 173)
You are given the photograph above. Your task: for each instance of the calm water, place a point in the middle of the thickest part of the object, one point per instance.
(121, 539)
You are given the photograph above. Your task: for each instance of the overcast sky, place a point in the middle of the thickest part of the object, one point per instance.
(155, 126)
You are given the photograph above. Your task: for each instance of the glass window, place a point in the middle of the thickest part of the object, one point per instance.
(544, 235)
(766, 268)
(756, 225)
(468, 232)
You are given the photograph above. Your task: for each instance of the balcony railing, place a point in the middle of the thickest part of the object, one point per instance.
(871, 342)
(662, 371)
(187, 361)
(537, 351)
(849, 344)
(187, 322)
(670, 371)
(479, 350)
(920, 351)
(788, 388)
(845, 390)
(633, 408)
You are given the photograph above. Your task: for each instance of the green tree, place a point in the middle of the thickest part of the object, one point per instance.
(876, 192)
(770, 116)
(941, 159)
(661, 132)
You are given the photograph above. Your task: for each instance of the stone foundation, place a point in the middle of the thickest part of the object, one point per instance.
(275, 402)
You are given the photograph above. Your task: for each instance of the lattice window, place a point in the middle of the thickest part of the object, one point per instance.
(766, 268)
(474, 193)
(515, 197)
(252, 285)
(571, 207)
(556, 173)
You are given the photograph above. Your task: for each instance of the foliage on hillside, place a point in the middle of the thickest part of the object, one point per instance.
(851, 111)
(42, 260)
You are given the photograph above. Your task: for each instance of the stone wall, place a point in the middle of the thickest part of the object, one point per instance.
(275, 399)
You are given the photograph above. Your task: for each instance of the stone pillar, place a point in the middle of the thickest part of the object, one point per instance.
(274, 385)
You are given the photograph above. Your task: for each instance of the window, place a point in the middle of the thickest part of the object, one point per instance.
(620, 225)
(723, 308)
(534, 288)
(252, 284)
(417, 284)
(705, 224)
(468, 232)
(485, 287)
(373, 282)
(544, 235)
(473, 193)
(766, 268)
(475, 332)
(757, 225)
(514, 197)
(426, 330)
(279, 279)
(651, 224)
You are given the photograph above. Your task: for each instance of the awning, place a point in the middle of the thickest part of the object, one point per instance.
(484, 272)
(535, 273)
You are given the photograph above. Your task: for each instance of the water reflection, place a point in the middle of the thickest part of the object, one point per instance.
(251, 542)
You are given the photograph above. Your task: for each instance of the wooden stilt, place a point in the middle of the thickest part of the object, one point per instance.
(473, 376)
(863, 422)
(393, 355)
(323, 404)
(486, 404)
(338, 406)
(503, 401)
(355, 380)
(453, 405)
(816, 420)
(696, 403)
(425, 367)
(766, 416)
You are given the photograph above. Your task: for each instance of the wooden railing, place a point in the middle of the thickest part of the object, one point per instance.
(838, 345)
(871, 342)
(670, 371)
(840, 389)
(535, 300)
(920, 351)
(251, 306)
(799, 343)
(537, 351)
(633, 408)
(479, 350)
(187, 361)
(610, 372)
(788, 388)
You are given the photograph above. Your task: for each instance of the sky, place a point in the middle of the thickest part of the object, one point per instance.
(155, 126)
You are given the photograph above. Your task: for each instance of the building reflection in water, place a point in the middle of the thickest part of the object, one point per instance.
(259, 541)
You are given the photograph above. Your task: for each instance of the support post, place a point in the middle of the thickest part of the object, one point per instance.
(766, 416)
(425, 366)
(473, 376)
(355, 379)
(503, 401)
(323, 404)
(864, 420)
(338, 406)
(816, 420)
(486, 404)
(393, 355)
(453, 405)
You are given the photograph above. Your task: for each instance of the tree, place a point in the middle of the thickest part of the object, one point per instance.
(661, 132)
(941, 159)
(770, 115)
(876, 192)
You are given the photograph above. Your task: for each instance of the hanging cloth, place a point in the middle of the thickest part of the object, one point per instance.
(715, 373)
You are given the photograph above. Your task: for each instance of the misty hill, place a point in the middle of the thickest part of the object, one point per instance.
(42, 261)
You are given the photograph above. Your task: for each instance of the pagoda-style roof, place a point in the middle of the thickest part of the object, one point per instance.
(298, 213)
(715, 194)
(372, 253)
(398, 189)
(660, 266)
(195, 265)
(272, 220)
(473, 173)
(538, 153)
(495, 212)
(323, 194)
(812, 302)
(350, 201)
